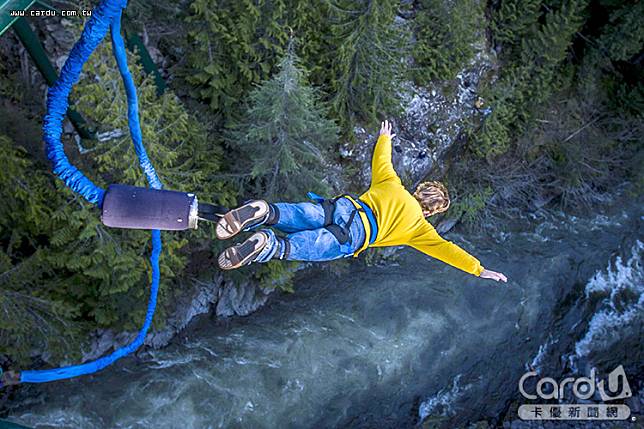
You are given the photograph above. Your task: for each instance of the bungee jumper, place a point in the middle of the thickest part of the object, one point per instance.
(327, 229)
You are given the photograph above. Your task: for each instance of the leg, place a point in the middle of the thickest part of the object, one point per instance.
(309, 245)
(313, 245)
(293, 217)
(316, 244)
(286, 217)
(320, 244)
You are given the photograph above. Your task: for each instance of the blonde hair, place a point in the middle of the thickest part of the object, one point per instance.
(433, 197)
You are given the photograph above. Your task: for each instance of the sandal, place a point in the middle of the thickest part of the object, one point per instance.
(235, 221)
(243, 253)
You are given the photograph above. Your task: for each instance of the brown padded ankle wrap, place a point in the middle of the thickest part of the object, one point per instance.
(273, 215)
(287, 248)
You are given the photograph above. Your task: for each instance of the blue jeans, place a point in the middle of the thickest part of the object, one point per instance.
(307, 238)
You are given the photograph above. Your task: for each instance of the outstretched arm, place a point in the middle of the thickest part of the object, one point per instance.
(382, 168)
(432, 244)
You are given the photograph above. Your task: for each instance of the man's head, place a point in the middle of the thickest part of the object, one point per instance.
(432, 197)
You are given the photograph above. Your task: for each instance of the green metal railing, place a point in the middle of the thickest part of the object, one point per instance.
(11, 16)
(8, 8)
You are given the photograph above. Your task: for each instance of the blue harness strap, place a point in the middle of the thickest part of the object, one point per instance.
(315, 197)
(345, 247)
(106, 14)
(372, 220)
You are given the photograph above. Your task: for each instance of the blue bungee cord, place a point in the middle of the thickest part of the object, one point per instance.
(106, 14)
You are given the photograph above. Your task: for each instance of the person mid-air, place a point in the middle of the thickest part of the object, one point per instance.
(386, 215)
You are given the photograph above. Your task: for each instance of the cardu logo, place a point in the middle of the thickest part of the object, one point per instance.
(582, 388)
(614, 379)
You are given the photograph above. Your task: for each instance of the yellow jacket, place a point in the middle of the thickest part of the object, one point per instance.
(400, 218)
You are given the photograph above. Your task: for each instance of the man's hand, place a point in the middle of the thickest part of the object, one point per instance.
(385, 129)
(493, 275)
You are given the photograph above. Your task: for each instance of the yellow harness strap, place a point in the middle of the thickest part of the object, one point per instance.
(365, 223)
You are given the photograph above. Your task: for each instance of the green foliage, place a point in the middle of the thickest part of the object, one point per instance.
(17, 103)
(311, 26)
(235, 44)
(32, 318)
(369, 59)
(513, 21)
(469, 208)
(284, 134)
(582, 151)
(445, 36)
(115, 261)
(529, 79)
(614, 62)
(275, 274)
(565, 117)
(61, 268)
(352, 48)
(178, 143)
(623, 36)
(535, 38)
(574, 157)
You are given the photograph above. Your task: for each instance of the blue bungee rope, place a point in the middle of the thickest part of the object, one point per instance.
(106, 14)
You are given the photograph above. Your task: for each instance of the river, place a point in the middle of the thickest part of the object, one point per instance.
(389, 345)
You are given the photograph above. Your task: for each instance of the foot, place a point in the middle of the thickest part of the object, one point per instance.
(243, 253)
(237, 220)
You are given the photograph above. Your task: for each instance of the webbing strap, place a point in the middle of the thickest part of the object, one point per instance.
(342, 233)
(371, 228)
(372, 220)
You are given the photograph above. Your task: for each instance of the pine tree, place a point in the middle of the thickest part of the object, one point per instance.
(311, 25)
(513, 21)
(623, 36)
(617, 59)
(236, 43)
(285, 134)
(529, 80)
(445, 36)
(31, 317)
(368, 63)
